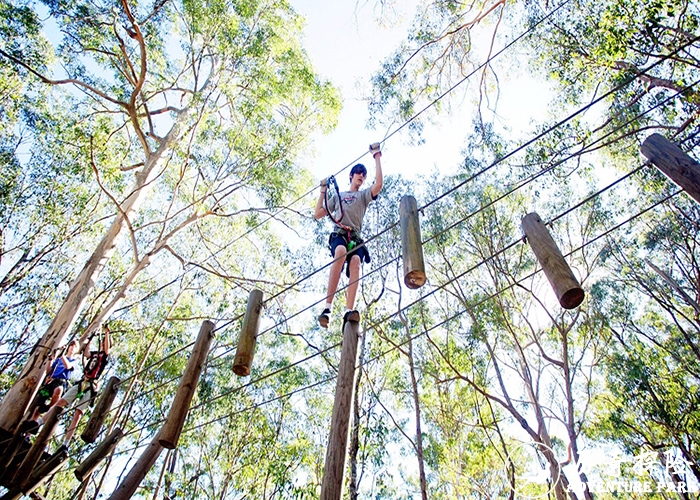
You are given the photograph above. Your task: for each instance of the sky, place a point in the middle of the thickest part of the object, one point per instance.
(346, 43)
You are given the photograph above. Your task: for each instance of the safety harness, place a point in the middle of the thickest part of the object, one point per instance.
(92, 370)
(351, 237)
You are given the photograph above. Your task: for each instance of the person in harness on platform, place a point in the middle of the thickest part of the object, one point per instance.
(85, 391)
(347, 210)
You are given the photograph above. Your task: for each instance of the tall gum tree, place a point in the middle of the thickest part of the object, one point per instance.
(170, 75)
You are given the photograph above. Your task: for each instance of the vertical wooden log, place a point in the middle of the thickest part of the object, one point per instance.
(411, 244)
(45, 470)
(332, 485)
(36, 451)
(97, 417)
(674, 163)
(249, 333)
(133, 479)
(98, 454)
(565, 285)
(170, 432)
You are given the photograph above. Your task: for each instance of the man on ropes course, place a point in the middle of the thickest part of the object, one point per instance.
(347, 210)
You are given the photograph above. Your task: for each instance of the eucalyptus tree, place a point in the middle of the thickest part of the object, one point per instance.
(650, 304)
(181, 105)
(583, 49)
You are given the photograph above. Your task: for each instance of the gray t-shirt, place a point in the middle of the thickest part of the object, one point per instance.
(355, 204)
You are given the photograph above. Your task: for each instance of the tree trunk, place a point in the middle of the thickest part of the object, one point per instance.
(416, 404)
(17, 399)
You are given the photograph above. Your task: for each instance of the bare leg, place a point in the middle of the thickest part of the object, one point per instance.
(354, 281)
(73, 424)
(35, 415)
(334, 275)
(57, 393)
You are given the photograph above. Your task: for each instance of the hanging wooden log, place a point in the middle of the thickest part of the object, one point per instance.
(45, 471)
(34, 454)
(170, 433)
(133, 479)
(674, 163)
(249, 333)
(332, 485)
(102, 407)
(411, 244)
(565, 285)
(98, 454)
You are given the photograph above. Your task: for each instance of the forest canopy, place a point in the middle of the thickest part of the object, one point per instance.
(151, 178)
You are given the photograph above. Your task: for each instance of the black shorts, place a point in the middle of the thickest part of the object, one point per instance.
(337, 239)
(43, 398)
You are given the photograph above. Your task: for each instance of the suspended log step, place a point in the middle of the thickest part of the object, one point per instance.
(674, 163)
(131, 482)
(45, 470)
(243, 361)
(170, 432)
(98, 454)
(411, 244)
(98, 415)
(565, 285)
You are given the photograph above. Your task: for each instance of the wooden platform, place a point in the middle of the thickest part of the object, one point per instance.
(5, 438)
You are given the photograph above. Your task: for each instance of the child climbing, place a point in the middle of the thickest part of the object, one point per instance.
(347, 210)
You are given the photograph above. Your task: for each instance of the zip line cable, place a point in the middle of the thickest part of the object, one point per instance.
(618, 87)
(484, 170)
(583, 150)
(451, 318)
(455, 278)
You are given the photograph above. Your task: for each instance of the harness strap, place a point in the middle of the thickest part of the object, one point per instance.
(331, 180)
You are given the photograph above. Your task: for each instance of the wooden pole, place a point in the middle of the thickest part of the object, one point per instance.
(674, 163)
(133, 479)
(34, 454)
(249, 333)
(565, 285)
(332, 485)
(98, 415)
(98, 454)
(45, 470)
(170, 432)
(411, 244)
